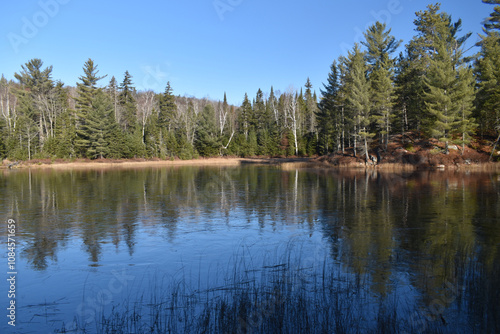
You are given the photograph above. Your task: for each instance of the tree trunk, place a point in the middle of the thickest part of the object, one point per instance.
(367, 158)
(494, 148)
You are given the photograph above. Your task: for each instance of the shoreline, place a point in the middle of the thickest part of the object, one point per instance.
(284, 163)
(125, 163)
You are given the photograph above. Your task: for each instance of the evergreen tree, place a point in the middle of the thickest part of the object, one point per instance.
(359, 97)
(310, 125)
(99, 125)
(465, 105)
(36, 85)
(493, 22)
(62, 143)
(87, 91)
(439, 97)
(112, 91)
(310, 108)
(245, 116)
(127, 118)
(448, 95)
(274, 133)
(258, 118)
(207, 141)
(487, 69)
(330, 121)
(167, 109)
(380, 45)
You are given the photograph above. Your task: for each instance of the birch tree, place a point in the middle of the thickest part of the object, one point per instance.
(146, 104)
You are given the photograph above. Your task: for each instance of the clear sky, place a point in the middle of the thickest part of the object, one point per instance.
(204, 47)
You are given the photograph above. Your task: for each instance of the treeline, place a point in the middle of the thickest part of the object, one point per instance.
(431, 88)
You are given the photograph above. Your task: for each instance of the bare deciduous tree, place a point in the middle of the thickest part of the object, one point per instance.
(146, 103)
(8, 105)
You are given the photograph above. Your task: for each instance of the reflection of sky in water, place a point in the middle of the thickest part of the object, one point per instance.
(88, 240)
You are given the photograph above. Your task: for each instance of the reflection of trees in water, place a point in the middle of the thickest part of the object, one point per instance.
(428, 225)
(440, 228)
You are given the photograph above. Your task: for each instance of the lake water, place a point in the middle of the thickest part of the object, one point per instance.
(180, 248)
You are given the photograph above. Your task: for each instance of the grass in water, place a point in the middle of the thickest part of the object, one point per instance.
(284, 296)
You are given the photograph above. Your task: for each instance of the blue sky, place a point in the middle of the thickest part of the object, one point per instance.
(204, 47)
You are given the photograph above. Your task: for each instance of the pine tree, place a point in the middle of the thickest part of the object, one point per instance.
(493, 22)
(359, 97)
(61, 143)
(36, 86)
(448, 95)
(439, 98)
(487, 69)
(380, 45)
(414, 67)
(465, 96)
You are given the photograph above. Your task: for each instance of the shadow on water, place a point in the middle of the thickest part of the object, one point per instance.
(409, 251)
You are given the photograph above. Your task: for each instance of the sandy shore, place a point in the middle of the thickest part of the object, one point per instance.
(105, 164)
(284, 163)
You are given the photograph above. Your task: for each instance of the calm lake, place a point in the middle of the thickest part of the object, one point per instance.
(251, 249)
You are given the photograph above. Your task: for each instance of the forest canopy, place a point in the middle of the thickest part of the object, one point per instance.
(432, 88)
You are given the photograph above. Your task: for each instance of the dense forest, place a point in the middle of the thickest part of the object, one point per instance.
(432, 88)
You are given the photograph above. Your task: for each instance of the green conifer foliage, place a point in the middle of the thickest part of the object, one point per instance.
(380, 45)
(207, 141)
(487, 69)
(167, 109)
(87, 91)
(493, 22)
(359, 98)
(329, 123)
(128, 107)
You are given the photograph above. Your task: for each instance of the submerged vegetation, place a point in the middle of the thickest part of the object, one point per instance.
(432, 89)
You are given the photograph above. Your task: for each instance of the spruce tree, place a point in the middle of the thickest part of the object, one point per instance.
(98, 126)
(245, 116)
(128, 108)
(112, 91)
(329, 123)
(168, 108)
(207, 141)
(274, 124)
(87, 92)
